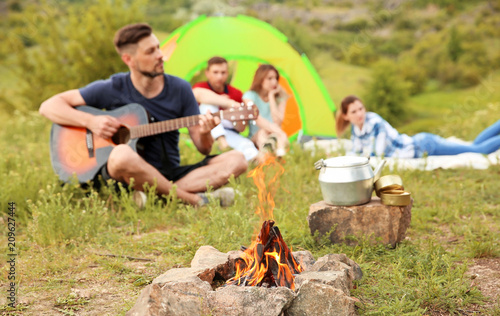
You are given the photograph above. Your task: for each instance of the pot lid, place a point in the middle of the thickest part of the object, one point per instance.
(345, 161)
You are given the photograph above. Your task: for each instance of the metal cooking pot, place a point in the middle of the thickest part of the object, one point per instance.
(347, 180)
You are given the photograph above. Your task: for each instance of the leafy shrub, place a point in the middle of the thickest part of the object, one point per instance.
(487, 23)
(447, 72)
(475, 54)
(469, 75)
(387, 92)
(392, 46)
(297, 35)
(450, 4)
(383, 17)
(415, 75)
(462, 61)
(354, 25)
(336, 43)
(361, 54)
(316, 23)
(405, 23)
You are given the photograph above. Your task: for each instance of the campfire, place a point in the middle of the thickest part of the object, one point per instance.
(268, 262)
(280, 286)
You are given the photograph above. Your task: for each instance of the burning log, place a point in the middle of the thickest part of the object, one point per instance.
(267, 262)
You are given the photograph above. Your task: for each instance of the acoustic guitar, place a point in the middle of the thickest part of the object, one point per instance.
(76, 151)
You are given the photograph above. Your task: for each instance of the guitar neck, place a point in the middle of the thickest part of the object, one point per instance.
(249, 112)
(163, 126)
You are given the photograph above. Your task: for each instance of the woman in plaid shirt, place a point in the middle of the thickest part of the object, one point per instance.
(371, 135)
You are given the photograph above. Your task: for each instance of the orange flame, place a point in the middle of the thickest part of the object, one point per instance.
(267, 262)
(267, 191)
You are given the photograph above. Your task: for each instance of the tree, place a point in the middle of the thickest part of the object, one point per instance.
(74, 47)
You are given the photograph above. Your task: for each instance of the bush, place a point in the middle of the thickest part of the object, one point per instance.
(475, 54)
(392, 46)
(297, 35)
(383, 17)
(455, 56)
(361, 54)
(449, 4)
(470, 75)
(354, 25)
(387, 92)
(405, 23)
(316, 24)
(335, 43)
(415, 75)
(447, 72)
(428, 52)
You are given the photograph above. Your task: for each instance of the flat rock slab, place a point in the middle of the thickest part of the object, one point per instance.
(378, 222)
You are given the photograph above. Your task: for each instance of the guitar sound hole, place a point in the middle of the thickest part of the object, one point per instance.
(122, 136)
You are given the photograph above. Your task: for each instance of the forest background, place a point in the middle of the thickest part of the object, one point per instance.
(424, 65)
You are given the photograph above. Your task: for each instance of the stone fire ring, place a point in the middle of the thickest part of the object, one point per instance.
(322, 289)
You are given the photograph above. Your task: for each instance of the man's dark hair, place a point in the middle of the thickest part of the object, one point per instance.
(216, 60)
(131, 34)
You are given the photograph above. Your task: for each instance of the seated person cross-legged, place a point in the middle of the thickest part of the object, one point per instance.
(214, 95)
(266, 93)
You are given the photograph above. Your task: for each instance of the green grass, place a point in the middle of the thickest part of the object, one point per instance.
(340, 79)
(65, 234)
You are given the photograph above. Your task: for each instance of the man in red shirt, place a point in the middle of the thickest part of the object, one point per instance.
(215, 94)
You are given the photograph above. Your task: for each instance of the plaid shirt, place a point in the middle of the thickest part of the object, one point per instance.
(379, 138)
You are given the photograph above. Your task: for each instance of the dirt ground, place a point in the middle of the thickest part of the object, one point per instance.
(108, 297)
(486, 274)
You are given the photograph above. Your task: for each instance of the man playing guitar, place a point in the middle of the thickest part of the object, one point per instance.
(164, 97)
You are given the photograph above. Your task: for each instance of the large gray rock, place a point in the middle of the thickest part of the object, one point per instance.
(304, 258)
(173, 298)
(336, 279)
(324, 289)
(338, 262)
(335, 270)
(316, 298)
(181, 274)
(213, 263)
(250, 300)
(378, 222)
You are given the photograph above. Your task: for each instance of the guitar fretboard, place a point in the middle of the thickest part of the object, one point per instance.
(163, 126)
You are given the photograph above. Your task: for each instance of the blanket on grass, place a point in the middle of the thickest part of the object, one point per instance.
(466, 160)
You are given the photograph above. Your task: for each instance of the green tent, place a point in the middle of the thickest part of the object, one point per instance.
(249, 42)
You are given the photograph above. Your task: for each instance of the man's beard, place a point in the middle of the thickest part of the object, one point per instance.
(151, 74)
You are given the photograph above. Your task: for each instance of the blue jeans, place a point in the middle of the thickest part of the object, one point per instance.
(485, 143)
